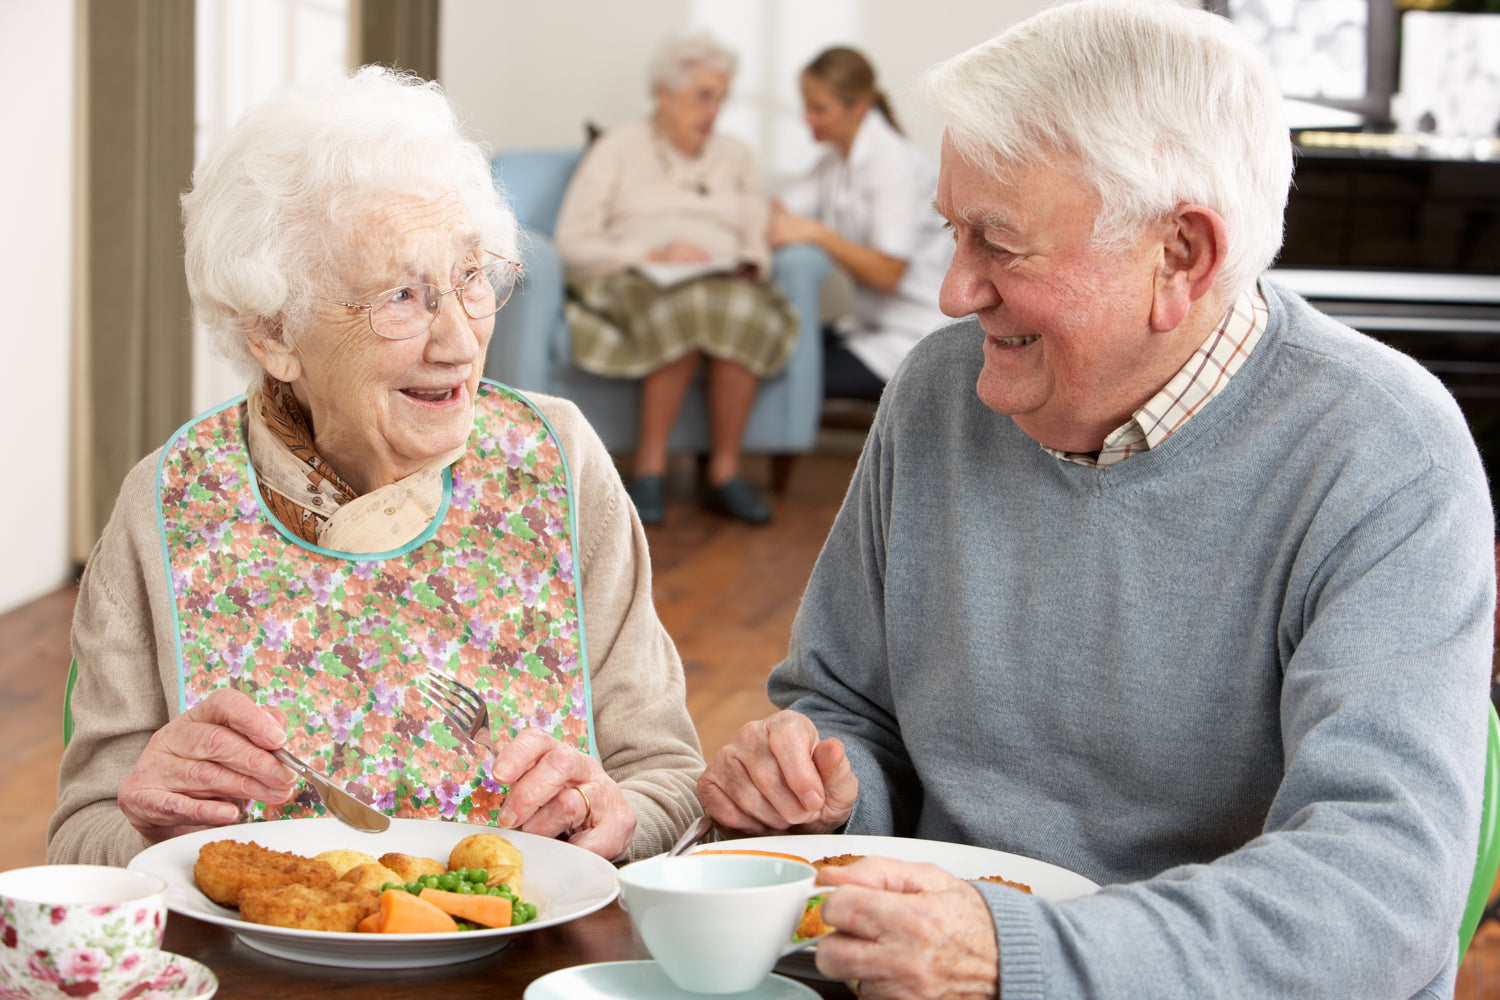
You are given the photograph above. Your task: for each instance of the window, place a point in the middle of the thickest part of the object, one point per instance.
(1337, 54)
(245, 48)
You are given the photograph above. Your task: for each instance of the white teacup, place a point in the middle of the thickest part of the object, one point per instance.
(75, 930)
(717, 923)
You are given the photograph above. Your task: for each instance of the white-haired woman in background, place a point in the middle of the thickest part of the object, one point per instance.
(286, 568)
(663, 232)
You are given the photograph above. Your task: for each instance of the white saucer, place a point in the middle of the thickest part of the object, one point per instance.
(196, 981)
(165, 977)
(644, 980)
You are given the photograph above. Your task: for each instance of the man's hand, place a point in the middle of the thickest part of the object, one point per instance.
(908, 930)
(200, 769)
(778, 777)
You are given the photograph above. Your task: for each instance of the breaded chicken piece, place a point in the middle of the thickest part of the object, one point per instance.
(836, 860)
(410, 868)
(343, 860)
(371, 876)
(1005, 881)
(336, 906)
(226, 868)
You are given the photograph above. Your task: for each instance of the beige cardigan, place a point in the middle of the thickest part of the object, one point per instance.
(127, 685)
(622, 203)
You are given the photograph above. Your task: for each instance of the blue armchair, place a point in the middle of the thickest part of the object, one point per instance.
(532, 347)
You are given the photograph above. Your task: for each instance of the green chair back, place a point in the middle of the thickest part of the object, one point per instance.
(1489, 840)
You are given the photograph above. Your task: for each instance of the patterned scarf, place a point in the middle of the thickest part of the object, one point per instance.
(326, 489)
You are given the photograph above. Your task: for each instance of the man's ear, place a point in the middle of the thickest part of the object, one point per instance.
(1194, 239)
(268, 343)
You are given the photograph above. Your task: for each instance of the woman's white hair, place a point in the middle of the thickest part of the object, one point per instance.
(677, 58)
(1156, 103)
(288, 186)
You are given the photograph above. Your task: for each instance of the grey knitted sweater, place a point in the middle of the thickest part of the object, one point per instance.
(1239, 680)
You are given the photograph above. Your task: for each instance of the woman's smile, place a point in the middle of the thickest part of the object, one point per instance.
(435, 396)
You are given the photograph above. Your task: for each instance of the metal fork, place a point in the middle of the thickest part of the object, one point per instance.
(460, 704)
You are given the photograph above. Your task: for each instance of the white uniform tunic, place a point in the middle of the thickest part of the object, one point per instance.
(881, 197)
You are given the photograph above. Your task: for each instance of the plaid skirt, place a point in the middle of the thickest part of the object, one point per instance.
(624, 326)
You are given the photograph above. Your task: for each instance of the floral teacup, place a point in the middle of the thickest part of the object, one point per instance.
(79, 930)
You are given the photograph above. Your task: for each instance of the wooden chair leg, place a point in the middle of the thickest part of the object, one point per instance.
(781, 472)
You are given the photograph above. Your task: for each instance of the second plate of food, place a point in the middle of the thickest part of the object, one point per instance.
(563, 881)
(959, 860)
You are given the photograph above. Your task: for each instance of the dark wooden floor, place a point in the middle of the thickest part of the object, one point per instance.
(726, 592)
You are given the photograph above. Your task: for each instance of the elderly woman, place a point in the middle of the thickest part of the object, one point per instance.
(285, 569)
(663, 232)
(868, 203)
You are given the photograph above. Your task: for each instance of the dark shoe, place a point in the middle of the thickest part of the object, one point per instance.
(736, 499)
(650, 500)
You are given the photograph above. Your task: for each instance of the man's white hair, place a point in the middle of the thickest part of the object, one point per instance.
(1156, 103)
(677, 58)
(276, 199)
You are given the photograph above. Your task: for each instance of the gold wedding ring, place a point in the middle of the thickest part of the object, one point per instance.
(588, 810)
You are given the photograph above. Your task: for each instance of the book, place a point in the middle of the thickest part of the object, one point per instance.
(664, 275)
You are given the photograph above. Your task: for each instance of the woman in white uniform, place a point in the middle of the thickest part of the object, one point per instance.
(868, 203)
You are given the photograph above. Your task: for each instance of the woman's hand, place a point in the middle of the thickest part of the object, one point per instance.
(778, 777)
(679, 252)
(546, 779)
(788, 227)
(908, 930)
(200, 769)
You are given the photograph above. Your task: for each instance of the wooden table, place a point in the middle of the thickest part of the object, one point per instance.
(246, 974)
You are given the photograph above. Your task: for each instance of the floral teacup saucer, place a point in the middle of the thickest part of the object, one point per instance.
(162, 976)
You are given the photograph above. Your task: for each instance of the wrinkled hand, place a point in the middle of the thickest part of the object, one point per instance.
(778, 777)
(908, 930)
(788, 227)
(679, 252)
(544, 777)
(200, 769)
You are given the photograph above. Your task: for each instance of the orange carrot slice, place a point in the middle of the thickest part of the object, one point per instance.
(488, 911)
(402, 913)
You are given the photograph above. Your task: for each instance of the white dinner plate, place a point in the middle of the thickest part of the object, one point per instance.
(959, 860)
(644, 980)
(565, 883)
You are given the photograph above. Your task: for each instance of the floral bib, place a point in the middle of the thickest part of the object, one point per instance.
(337, 640)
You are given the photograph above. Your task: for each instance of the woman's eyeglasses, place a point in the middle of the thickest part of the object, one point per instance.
(410, 310)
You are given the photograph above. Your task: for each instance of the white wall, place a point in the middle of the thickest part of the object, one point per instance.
(530, 74)
(36, 256)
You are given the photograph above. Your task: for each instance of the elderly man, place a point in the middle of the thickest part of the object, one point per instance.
(1148, 570)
